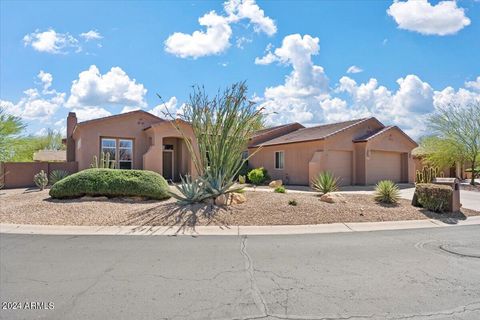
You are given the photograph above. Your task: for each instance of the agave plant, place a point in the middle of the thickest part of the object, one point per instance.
(325, 182)
(57, 175)
(386, 191)
(191, 191)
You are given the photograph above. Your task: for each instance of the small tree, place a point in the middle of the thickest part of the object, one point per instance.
(459, 127)
(222, 126)
(10, 128)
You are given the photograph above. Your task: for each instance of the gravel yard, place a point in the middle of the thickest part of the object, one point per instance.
(262, 208)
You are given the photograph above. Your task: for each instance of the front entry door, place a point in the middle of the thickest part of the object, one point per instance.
(168, 165)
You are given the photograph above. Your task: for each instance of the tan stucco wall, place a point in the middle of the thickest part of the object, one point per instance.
(166, 133)
(297, 157)
(87, 137)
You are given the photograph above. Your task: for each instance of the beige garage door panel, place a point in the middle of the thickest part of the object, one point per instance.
(340, 164)
(384, 166)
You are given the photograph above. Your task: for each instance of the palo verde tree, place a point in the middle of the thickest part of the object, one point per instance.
(222, 126)
(458, 126)
(10, 129)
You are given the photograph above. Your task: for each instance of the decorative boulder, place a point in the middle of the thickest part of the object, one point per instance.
(221, 200)
(237, 198)
(275, 184)
(333, 198)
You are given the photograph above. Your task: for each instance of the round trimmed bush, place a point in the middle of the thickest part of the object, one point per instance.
(112, 183)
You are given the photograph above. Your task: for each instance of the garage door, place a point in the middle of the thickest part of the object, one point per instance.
(384, 165)
(340, 164)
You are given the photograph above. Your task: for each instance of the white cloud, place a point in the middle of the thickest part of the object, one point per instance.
(420, 16)
(354, 69)
(248, 9)
(89, 113)
(170, 107)
(35, 104)
(304, 87)
(91, 35)
(240, 43)
(93, 89)
(474, 85)
(215, 39)
(51, 42)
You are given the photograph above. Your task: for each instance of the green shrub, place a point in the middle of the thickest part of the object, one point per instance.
(325, 182)
(112, 183)
(242, 179)
(258, 176)
(41, 179)
(292, 202)
(57, 175)
(433, 197)
(386, 191)
(280, 189)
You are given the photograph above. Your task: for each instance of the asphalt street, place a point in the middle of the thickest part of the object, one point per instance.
(402, 274)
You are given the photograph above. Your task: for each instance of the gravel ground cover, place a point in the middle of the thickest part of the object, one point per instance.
(262, 208)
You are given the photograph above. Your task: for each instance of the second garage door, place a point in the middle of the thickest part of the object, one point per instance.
(384, 165)
(340, 164)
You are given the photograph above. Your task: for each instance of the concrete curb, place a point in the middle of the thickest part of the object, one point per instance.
(233, 230)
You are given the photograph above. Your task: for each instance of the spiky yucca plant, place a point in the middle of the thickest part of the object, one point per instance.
(222, 126)
(57, 175)
(325, 182)
(386, 191)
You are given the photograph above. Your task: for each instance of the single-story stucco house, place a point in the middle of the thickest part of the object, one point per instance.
(360, 151)
(135, 140)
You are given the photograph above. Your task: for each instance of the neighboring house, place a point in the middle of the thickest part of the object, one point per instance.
(135, 140)
(359, 152)
(50, 155)
(457, 170)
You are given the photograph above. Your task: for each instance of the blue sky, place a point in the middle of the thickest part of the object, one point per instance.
(100, 58)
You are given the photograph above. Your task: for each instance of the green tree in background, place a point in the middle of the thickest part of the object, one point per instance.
(10, 129)
(458, 129)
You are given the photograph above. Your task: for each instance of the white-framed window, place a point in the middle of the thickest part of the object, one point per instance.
(120, 150)
(279, 160)
(125, 154)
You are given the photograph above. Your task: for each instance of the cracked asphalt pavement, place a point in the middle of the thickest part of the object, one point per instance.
(402, 274)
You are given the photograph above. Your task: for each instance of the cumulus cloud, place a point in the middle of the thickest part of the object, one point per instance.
(51, 41)
(354, 69)
(91, 35)
(215, 39)
(306, 85)
(474, 85)
(442, 19)
(37, 104)
(248, 9)
(93, 89)
(170, 107)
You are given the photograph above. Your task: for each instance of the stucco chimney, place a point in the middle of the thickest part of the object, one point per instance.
(71, 124)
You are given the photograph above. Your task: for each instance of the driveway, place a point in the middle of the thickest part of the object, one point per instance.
(407, 274)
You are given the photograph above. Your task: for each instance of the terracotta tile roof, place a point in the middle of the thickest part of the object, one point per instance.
(313, 133)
